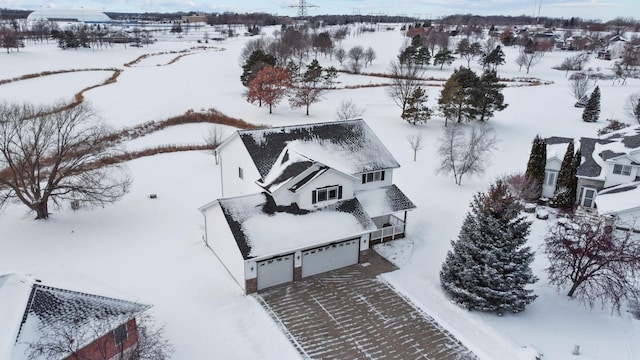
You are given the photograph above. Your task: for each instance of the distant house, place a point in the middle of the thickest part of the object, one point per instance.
(302, 200)
(616, 46)
(84, 326)
(608, 176)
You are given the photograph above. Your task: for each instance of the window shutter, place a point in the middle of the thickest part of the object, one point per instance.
(364, 178)
(382, 176)
(313, 197)
(340, 192)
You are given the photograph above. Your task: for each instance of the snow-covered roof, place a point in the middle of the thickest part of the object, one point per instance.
(384, 201)
(619, 198)
(596, 152)
(557, 147)
(69, 15)
(287, 166)
(261, 228)
(32, 311)
(349, 146)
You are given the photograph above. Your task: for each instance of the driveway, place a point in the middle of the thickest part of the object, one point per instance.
(351, 314)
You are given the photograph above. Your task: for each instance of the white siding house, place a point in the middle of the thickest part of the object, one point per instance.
(301, 200)
(608, 175)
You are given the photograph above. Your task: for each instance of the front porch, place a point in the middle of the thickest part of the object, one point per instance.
(390, 227)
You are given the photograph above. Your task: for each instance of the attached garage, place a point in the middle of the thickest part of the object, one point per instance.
(330, 257)
(275, 271)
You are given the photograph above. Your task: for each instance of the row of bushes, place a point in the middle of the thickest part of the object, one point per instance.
(211, 116)
(54, 72)
(184, 52)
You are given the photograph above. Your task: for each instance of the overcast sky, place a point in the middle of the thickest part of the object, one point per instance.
(586, 9)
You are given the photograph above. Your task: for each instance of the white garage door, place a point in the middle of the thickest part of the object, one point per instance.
(330, 257)
(275, 271)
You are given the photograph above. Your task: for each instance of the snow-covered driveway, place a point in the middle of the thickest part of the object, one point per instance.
(352, 314)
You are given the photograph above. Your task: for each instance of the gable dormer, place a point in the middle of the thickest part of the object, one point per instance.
(253, 160)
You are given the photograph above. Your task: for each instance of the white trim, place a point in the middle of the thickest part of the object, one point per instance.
(583, 191)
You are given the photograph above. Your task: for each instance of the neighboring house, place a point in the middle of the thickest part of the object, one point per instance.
(609, 174)
(556, 148)
(84, 326)
(302, 200)
(616, 46)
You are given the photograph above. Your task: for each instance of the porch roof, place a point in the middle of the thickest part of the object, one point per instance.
(618, 198)
(384, 201)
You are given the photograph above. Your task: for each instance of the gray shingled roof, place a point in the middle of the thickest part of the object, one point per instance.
(590, 168)
(48, 310)
(557, 140)
(354, 145)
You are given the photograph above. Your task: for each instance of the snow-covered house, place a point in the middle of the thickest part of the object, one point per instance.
(609, 175)
(80, 325)
(556, 148)
(616, 46)
(302, 200)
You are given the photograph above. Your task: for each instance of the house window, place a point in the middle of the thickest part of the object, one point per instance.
(587, 197)
(240, 173)
(326, 193)
(120, 334)
(373, 176)
(550, 178)
(622, 169)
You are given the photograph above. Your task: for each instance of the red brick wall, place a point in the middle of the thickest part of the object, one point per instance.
(105, 347)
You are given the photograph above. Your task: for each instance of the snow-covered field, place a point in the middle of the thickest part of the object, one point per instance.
(152, 249)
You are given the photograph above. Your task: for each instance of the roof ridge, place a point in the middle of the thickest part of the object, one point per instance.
(301, 125)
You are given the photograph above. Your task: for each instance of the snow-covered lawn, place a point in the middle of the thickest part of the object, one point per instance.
(152, 249)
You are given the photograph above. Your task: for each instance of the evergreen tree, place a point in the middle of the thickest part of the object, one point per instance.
(489, 265)
(417, 112)
(443, 56)
(423, 57)
(536, 167)
(591, 112)
(493, 59)
(310, 87)
(458, 97)
(256, 62)
(567, 183)
(489, 95)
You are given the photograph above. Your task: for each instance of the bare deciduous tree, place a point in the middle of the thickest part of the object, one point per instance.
(580, 85)
(465, 153)
(347, 110)
(405, 79)
(340, 55)
(356, 54)
(521, 186)
(64, 340)
(632, 107)
(574, 63)
(213, 140)
(57, 153)
(528, 59)
(596, 263)
(417, 143)
(369, 56)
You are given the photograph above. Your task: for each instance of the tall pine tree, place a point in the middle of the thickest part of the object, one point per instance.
(565, 195)
(591, 112)
(489, 95)
(417, 112)
(490, 266)
(536, 167)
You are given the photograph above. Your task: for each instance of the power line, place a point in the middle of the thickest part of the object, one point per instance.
(302, 8)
